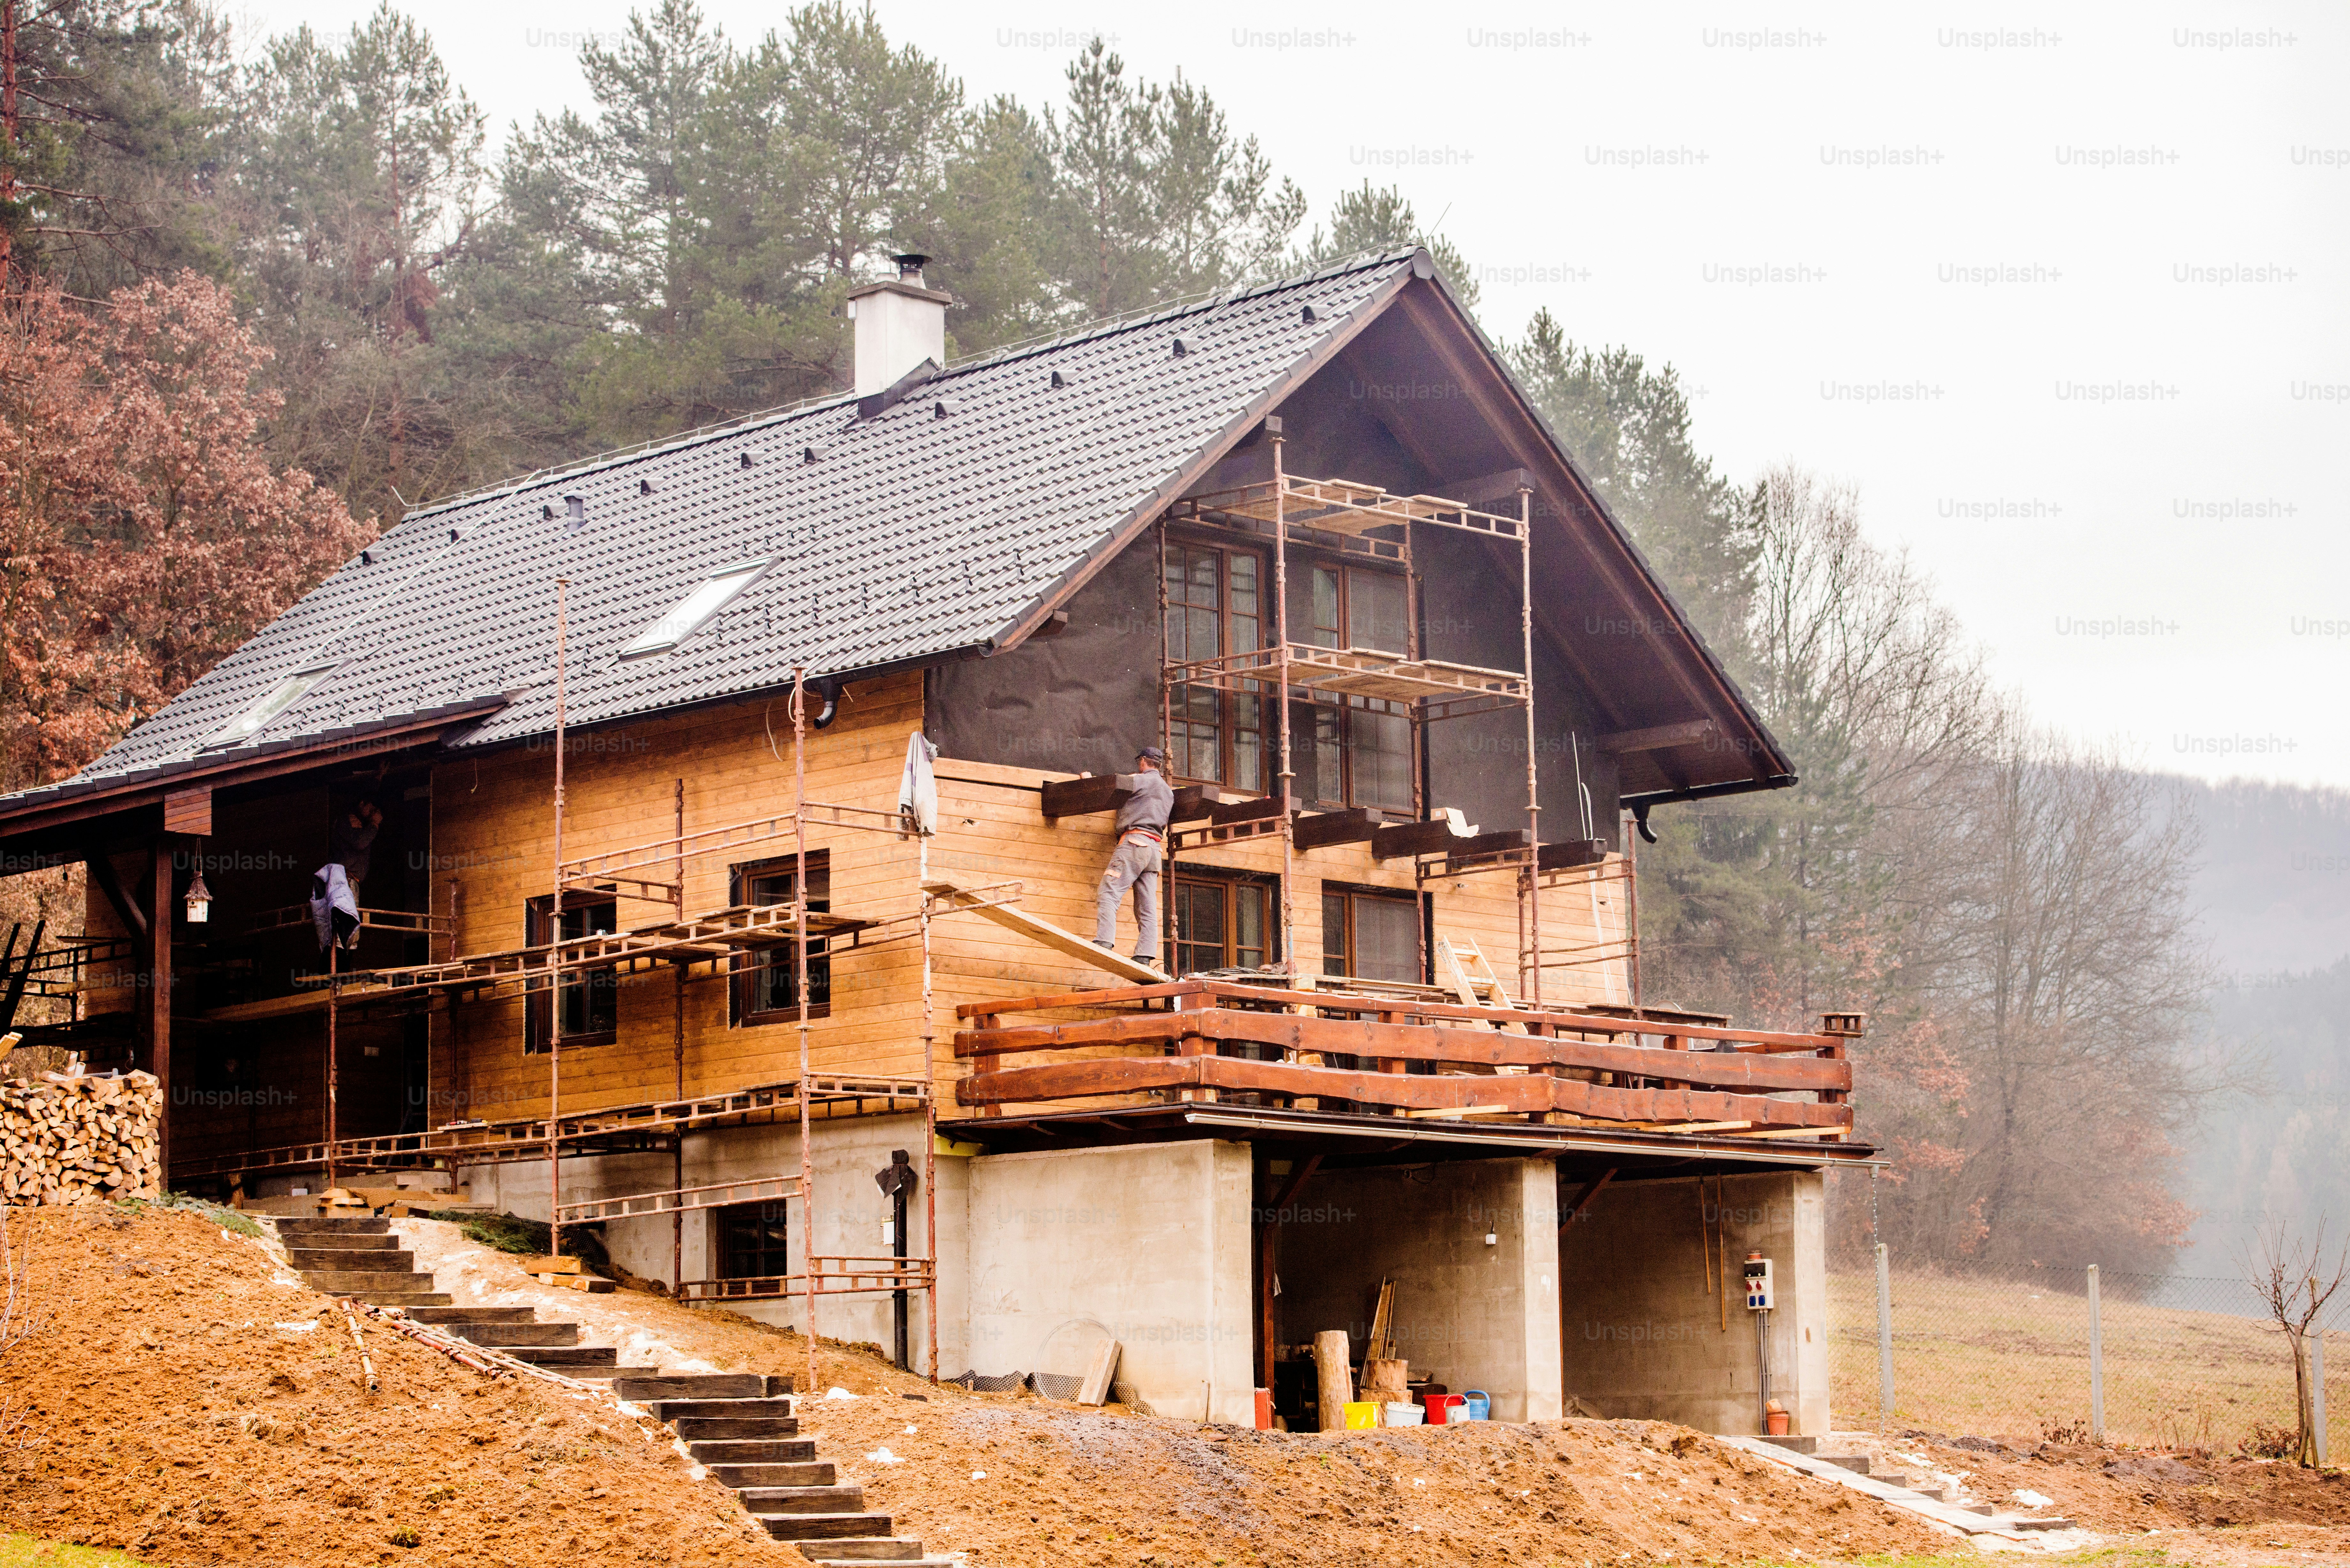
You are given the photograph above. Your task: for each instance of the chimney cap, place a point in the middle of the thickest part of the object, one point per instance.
(909, 265)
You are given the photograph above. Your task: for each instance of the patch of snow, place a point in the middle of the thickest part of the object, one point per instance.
(978, 1475)
(882, 1456)
(296, 1327)
(2030, 1498)
(839, 1393)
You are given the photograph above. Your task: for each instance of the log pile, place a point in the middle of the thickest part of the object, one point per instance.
(80, 1138)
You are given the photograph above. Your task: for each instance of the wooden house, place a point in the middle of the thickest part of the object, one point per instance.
(647, 893)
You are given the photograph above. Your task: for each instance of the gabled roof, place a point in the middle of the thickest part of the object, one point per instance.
(947, 524)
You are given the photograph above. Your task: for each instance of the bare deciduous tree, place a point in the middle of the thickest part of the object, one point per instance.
(2297, 1285)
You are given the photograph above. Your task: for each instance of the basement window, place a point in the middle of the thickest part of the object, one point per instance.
(696, 611)
(273, 703)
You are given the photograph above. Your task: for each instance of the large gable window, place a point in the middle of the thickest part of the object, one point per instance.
(696, 611)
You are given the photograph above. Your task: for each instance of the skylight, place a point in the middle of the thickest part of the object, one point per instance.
(696, 611)
(273, 703)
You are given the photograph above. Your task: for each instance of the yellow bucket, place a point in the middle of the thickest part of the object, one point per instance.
(1363, 1415)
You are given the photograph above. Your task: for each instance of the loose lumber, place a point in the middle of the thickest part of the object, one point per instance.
(1097, 793)
(80, 1138)
(1043, 931)
(1095, 1389)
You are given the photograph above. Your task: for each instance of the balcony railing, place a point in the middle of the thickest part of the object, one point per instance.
(1207, 1040)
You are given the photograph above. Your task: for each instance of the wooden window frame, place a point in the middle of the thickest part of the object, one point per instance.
(1229, 881)
(1228, 726)
(538, 915)
(728, 1261)
(743, 967)
(1350, 892)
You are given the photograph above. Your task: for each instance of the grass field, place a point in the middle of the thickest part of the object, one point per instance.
(1997, 1358)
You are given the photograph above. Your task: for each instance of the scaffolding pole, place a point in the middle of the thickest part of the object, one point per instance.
(555, 933)
(800, 988)
(1530, 978)
(1281, 641)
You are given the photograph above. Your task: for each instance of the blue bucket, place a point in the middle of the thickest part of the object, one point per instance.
(1475, 1404)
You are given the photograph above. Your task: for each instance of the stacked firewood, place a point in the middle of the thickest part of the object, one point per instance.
(78, 1138)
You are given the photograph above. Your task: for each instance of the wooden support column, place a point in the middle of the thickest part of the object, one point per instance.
(155, 1004)
(1591, 1189)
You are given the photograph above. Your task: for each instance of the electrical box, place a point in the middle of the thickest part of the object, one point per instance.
(1758, 1283)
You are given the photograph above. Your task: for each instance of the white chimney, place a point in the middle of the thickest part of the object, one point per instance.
(900, 324)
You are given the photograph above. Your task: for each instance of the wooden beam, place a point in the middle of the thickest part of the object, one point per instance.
(1083, 798)
(1591, 1189)
(1569, 853)
(155, 1001)
(189, 811)
(1044, 932)
(1262, 809)
(1695, 731)
(102, 872)
(1319, 830)
(1287, 1195)
(1409, 838)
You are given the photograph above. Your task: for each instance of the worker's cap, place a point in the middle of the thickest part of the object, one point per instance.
(1152, 754)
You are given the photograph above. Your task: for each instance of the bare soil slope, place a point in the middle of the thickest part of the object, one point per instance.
(177, 1420)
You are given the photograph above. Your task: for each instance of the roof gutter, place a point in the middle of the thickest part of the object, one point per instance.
(1707, 792)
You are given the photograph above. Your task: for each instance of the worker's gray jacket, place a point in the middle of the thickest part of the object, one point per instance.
(1150, 804)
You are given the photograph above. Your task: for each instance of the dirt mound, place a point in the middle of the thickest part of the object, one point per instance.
(181, 1421)
(187, 1402)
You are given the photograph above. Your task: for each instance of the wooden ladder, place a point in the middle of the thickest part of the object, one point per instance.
(1462, 968)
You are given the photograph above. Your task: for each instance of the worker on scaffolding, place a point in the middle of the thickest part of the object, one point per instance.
(1141, 840)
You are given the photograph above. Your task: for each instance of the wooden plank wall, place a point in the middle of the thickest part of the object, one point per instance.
(492, 844)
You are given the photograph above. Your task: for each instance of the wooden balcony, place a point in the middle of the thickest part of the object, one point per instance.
(1206, 1040)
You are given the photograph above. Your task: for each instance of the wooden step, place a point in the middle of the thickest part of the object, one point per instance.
(340, 1240)
(672, 1409)
(407, 1301)
(704, 1385)
(476, 1314)
(754, 1451)
(874, 1549)
(566, 1355)
(600, 1374)
(824, 1526)
(366, 1282)
(350, 1259)
(825, 1554)
(802, 1498)
(506, 1334)
(344, 1226)
(804, 1473)
(694, 1429)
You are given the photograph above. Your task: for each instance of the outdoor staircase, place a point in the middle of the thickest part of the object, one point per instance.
(363, 1260)
(745, 1429)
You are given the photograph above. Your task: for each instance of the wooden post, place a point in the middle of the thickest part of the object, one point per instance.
(1334, 1378)
(931, 1093)
(156, 1015)
(677, 1218)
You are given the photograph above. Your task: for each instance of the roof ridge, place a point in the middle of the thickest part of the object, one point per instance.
(1002, 354)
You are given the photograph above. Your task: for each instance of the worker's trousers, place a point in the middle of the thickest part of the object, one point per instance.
(1134, 865)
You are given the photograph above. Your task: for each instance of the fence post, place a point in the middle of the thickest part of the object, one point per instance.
(2097, 1363)
(1884, 1342)
(2317, 1388)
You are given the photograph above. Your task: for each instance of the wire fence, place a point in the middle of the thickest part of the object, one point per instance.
(2159, 1361)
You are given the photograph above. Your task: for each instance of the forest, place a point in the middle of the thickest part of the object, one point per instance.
(263, 297)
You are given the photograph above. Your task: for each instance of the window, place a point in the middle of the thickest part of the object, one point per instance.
(1222, 922)
(1370, 935)
(1214, 607)
(752, 1241)
(696, 611)
(765, 979)
(1356, 753)
(589, 998)
(1351, 608)
(273, 703)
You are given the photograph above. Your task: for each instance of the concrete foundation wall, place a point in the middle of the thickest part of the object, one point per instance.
(1468, 1314)
(1641, 1329)
(848, 1216)
(1148, 1245)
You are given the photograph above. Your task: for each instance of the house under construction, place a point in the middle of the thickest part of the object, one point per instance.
(662, 921)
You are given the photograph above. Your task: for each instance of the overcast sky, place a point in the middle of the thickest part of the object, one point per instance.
(2062, 290)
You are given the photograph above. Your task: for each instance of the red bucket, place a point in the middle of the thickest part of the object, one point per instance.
(1440, 1407)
